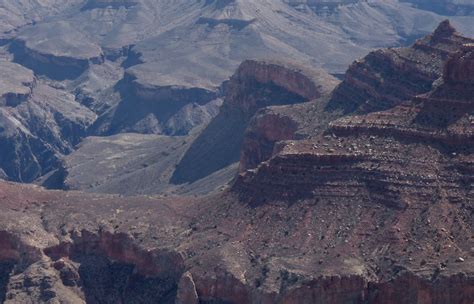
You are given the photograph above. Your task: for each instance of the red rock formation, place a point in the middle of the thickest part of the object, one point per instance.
(309, 84)
(418, 155)
(386, 78)
(119, 247)
(255, 85)
(264, 130)
(460, 67)
(364, 156)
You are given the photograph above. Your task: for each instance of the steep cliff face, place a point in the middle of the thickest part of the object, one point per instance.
(386, 78)
(97, 268)
(307, 83)
(255, 85)
(415, 159)
(365, 156)
(264, 130)
(56, 50)
(80, 264)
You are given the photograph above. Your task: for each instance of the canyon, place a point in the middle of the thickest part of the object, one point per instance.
(143, 68)
(236, 151)
(357, 190)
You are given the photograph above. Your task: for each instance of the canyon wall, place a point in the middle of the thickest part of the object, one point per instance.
(255, 85)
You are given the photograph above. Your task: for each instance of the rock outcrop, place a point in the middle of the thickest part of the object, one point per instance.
(255, 85)
(264, 130)
(364, 156)
(388, 77)
(460, 67)
(187, 293)
(81, 265)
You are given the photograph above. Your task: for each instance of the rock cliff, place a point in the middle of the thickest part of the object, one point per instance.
(388, 77)
(264, 130)
(364, 156)
(56, 50)
(255, 85)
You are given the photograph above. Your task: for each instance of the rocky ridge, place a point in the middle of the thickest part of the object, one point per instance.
(255, 85)
(436, 124)
(158, 107)
(385, 78)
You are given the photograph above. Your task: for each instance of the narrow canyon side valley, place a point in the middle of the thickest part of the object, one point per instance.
(237, 151)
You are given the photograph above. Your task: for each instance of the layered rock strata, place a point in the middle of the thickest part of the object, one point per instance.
(255, 85)
(56, 50)
(388, 77)
(376, 209)
(365, 156)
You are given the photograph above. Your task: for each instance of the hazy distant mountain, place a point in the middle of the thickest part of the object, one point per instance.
(446, 7)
